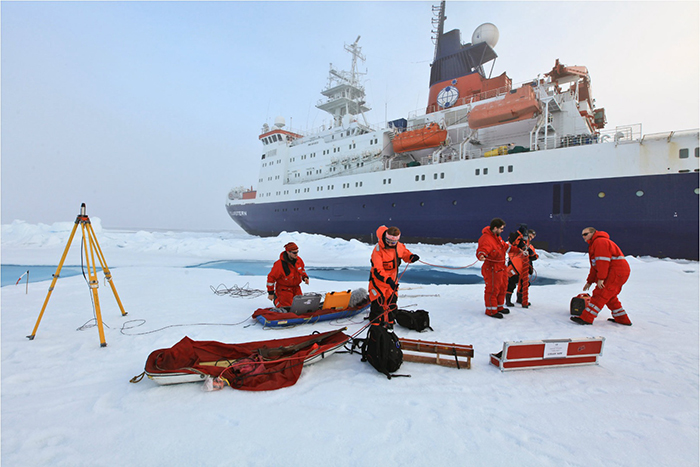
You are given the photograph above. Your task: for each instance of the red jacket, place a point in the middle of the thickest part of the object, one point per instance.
(285, 275)
(605, 256)
(517, 257)
(493, 248)
(385, 265)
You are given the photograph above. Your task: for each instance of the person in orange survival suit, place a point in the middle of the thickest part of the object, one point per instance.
(286, 275)
(521, 254)
(383, 283)
(492, 251)
(517, 263)
(609, 271)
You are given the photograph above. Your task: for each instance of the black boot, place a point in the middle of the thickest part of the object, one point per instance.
(612, 320)
(578, 320)
(520, 298)
(508, 297)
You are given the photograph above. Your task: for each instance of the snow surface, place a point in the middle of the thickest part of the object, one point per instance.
(67, 401)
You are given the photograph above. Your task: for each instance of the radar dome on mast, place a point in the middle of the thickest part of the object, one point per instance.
(279, 122)
(487, 32)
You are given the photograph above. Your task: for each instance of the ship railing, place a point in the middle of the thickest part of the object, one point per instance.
(669, 135)
(490, 94)
(621, 134)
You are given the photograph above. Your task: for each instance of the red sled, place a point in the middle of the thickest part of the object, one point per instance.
(523, 355)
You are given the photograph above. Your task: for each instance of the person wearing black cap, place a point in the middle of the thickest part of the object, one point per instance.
(285, 277)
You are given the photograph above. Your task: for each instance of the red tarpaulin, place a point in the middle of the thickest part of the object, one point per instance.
(252, 366)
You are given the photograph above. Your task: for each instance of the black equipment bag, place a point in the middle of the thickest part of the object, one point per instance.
(382, 350)
(418, 320)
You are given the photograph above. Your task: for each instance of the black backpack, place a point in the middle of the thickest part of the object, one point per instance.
(418, 320)
(382, 350)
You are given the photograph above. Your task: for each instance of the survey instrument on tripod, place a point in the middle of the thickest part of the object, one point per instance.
(92, 249)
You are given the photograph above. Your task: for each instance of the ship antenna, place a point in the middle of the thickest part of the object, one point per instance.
(438, 23)
(355, 51)
(344, 92)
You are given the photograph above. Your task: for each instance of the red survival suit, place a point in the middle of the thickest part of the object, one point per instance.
(518, 272)
(493, 248)
(385, 266)
(284, 279)
(609, 264)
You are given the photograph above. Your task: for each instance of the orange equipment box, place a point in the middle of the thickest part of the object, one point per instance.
(549, 352)
(337, 300)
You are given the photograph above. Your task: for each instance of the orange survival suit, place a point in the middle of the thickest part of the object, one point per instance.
(383, 283)
(284, 279)
(608, 263)
(493, 248)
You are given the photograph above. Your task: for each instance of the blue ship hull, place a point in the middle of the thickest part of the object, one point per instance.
(646, 215)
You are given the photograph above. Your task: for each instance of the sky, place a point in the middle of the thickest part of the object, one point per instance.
(149, 112)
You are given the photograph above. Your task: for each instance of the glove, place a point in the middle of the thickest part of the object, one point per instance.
(414, 258)
(391, 283)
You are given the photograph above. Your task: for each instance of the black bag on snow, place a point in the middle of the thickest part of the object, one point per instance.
(418, 320)
(382, 350)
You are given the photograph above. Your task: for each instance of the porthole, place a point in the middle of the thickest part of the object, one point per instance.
(697, 191)
(422, 203)
(509, 199)
(393, 205)
(639, 193)
(601, 195)
(454, 203)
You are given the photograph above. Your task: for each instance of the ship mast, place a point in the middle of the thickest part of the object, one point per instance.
(438, 22)
(345, 95)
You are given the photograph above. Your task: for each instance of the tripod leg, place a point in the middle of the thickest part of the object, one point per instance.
(55, 278)
(105, 269)
(93, 282)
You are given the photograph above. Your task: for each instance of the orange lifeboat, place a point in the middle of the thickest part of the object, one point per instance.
(429, 136)
(519, 104)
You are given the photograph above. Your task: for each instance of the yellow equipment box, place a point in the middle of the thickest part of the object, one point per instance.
(337, 300)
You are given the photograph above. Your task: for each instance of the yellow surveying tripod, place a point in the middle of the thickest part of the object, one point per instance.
(92, 248)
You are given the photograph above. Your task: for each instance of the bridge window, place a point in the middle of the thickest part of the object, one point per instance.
(683, 153)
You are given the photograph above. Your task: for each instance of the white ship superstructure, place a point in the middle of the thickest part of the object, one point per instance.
(536, 152)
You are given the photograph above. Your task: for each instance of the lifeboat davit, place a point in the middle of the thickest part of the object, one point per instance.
(519, 104)
(430, 136)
